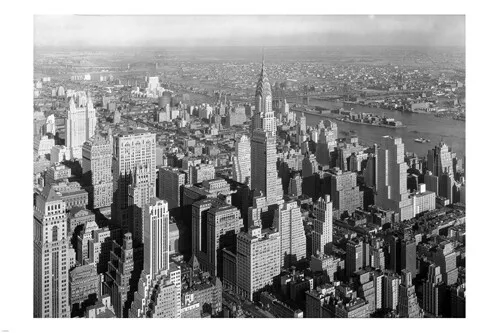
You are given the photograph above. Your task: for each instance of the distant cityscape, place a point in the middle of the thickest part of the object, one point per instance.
(172, 183)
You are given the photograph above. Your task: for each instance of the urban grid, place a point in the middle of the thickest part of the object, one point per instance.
(249, 182)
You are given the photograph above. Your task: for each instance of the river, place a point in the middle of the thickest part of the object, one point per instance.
(427, 126)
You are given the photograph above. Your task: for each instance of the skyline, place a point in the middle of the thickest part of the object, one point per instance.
(248, 30)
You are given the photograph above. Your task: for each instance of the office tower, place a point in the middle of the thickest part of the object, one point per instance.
(390, 291)
(258, 260)
(370, 172)
(264, 115)
(121, 276)
(156, 236)
(59, 154)
(326, 144)
(288, 222)
(431, 182)
(93, 245)
(344, 151)
(199, 225)
(97, 156)
(342, 186)
(222, 225)
(295, 186)
(159, 288)
(242, 161)
(403, 251)
(51, 262)
(131, 149)
(140, 193)
(264, 174)
(408, 304)
(440, 160)
(391, 191)
(309, 165)
(322, 233)
(445, 257)
(301, 129)
(80, 124)
(433, 298)
(158, 296)
(446, 187)
(170, 182)
(354, 256)
(423, 200)
(90, 117)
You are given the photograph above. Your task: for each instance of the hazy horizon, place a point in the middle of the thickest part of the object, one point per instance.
(79, 31)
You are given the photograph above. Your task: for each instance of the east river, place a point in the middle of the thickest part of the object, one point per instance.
(418, 125)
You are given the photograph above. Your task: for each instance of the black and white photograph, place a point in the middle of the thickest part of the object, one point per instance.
(249, 165)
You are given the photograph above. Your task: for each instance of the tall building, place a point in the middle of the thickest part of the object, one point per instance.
(322, 233)
(51, 262)
(170, 182)
(264, 115)
(433, 293)
(354, 256)
(326, 145)
(408, 304)
(403, 254)
(80, 124)
(301, 128)
(258, 260)
(130, 150)
(156, 236)
(390, 291)
(440, 160)
(391, 191)
(223, 224)
(295, 186)
(288, 222)
(97, 156)
(140, 193)
(342, 186)
(242, 161)
(264, 174)
(445, 257)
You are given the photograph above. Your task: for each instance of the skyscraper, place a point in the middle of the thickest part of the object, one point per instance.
(342, 186)
(434, 291)
(223, 224)
(159, 288)
(264, 115)
(51, 262)
(131, 149)
(97, 156)
(408, 304)
(322, 233)
(326, 144)
(140, 192)
(242, 161)
(258, 260)
(264, 174)
(440, 160)
(354, 256)
(169, 183)
(80, 124)
(288, 222)
(391, 191)
(156, 236)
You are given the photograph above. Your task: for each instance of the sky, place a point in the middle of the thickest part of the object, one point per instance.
(256, 30)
